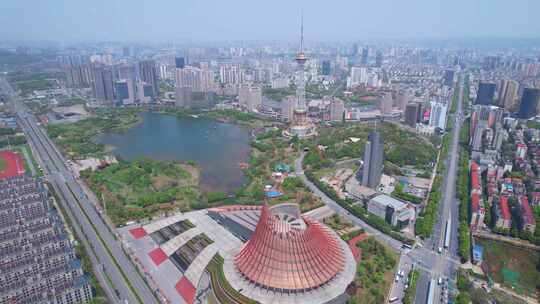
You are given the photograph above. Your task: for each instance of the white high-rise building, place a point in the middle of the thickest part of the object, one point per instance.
(437, 117)
(359, 75)
(196, 79)
(231, 74)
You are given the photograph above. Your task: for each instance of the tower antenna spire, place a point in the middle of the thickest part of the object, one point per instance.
(302, 31)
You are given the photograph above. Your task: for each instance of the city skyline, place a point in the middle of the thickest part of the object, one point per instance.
(242, 20)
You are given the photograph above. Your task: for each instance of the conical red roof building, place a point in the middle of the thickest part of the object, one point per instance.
(290, 253)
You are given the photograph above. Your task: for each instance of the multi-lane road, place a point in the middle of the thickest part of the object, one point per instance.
(447, 261)
(118, 276)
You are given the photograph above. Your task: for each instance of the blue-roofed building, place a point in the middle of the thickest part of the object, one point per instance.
(478, 254)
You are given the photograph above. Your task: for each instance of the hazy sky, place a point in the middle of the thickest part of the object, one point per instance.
(165, 20)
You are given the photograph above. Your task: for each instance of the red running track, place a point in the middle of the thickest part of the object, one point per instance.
(14, 164)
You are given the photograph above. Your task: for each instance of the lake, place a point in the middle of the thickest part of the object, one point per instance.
(217, 148)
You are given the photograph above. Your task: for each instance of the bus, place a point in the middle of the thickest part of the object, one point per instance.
(431, 292)
(447, 234)
(392, 300)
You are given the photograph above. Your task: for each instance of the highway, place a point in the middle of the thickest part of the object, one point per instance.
(110, 262)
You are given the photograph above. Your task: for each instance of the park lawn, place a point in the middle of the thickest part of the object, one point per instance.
(375, 272)
(77, 139)
(143, 188)
(499, 255)
(401, 147)
(269, 150)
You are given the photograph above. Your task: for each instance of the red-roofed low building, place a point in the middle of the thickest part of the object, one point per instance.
(475, 209)
(527, 217)
(476, 185)
(521, 151)
(504, 219)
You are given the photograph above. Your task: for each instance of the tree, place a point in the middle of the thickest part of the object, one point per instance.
(463, 298)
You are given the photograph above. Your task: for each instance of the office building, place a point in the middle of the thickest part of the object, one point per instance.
(508, 94)
(373, 161)
(180, 62)
(486, 93)
(326, 69)
(529, 103)
(412, 110)
(393, 211)
(37, 260)
(365, 55)
(102, 86)
(125, 91)
(378, 59)
(448, 79)
(149, 75)
(250, 97)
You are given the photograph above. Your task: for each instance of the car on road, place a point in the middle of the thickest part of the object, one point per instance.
(439, 250)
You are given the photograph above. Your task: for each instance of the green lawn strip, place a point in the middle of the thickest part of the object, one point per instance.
(410, 292)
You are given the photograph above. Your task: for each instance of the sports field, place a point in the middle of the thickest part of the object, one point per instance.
(11, 164)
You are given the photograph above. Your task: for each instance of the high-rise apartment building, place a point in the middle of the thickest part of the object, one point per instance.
(250, 97)
(231, 74)
(103, 87)
(359, 75)
(373, 161)
(508, 94)
(197, 79)
(148, 73)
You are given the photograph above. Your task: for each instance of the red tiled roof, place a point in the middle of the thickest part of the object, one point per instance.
(158, 256)
(475, 183)
(475, 202)
(503, 204)
(186, 289)
(283, 255)
(138, 233)
(527, 212)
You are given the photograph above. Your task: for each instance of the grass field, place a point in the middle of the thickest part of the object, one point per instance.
(2, 164)
(499, 256)
(142, 188)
